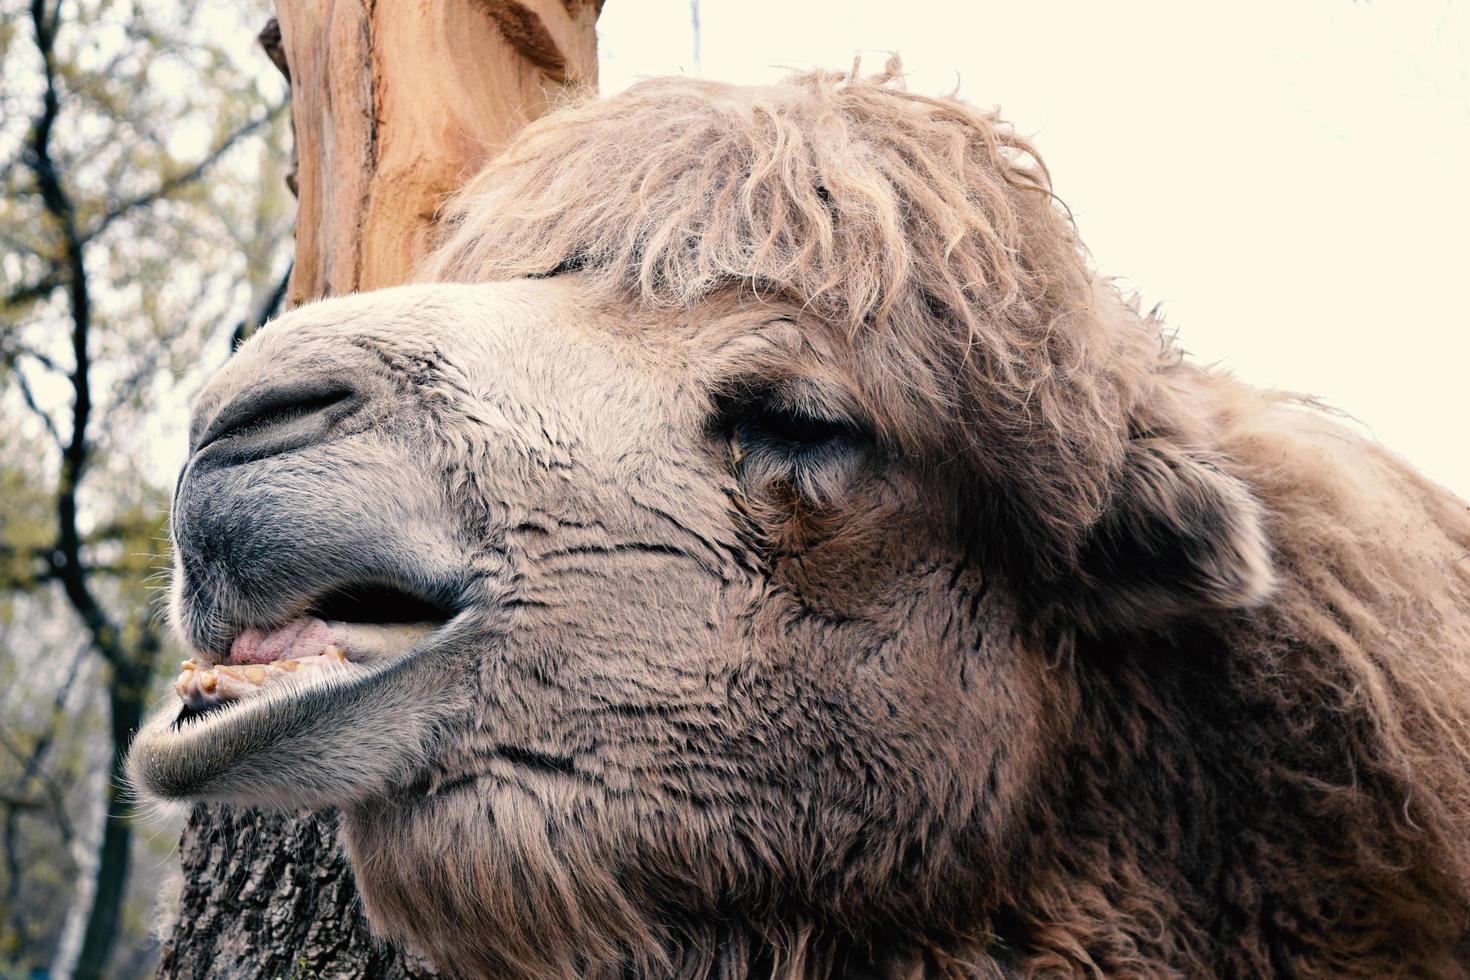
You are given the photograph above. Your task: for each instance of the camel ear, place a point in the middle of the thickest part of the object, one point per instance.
(1180, 538)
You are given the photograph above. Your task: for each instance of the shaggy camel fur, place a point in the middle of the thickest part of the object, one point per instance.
(819, 571)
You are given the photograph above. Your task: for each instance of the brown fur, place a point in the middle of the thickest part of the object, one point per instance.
(1284, 790)
(847, 581)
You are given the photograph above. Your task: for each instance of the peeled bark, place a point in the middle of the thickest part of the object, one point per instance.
(394, 105)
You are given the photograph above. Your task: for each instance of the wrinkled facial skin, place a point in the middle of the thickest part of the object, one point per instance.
(709, 652)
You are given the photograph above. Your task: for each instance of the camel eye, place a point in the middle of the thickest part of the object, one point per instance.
(791, 429)
(774, 423)
(774, 442)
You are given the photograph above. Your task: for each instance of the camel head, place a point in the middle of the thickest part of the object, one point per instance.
(691, 569)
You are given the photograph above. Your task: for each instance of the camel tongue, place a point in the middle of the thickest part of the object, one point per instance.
(305, 636)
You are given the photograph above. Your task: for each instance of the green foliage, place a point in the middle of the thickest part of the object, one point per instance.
(303, 971)
(167, 139)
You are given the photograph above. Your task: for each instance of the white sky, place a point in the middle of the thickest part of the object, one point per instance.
(1290, 178)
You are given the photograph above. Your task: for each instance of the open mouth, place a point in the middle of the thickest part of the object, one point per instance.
(344, 634)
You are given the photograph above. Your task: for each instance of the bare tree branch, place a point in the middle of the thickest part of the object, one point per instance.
(269, 307)
(29, 398)
(32, 291)
(66, 560)
(171, 185)
(32, 761)
(44, 574)
(55, 798)
(13, 802)
(145, 368)
(12, 350)
(41, 359)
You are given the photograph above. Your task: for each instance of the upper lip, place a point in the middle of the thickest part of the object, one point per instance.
(383, 603)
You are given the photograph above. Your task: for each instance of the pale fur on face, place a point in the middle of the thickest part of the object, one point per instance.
(846, 581)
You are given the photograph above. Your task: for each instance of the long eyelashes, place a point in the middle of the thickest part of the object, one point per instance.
(775, 444)
(794, 430)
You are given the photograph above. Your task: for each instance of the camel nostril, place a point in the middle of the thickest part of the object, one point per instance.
(272, 420)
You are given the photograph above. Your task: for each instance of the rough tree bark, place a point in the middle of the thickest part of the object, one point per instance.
(394, 105)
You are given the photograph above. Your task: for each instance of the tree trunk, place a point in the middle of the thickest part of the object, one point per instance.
(394, 105)
(127, 700)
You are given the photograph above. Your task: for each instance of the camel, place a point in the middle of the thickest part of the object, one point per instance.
(763, 545)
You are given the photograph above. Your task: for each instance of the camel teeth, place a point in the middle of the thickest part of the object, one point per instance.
(202, 683)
